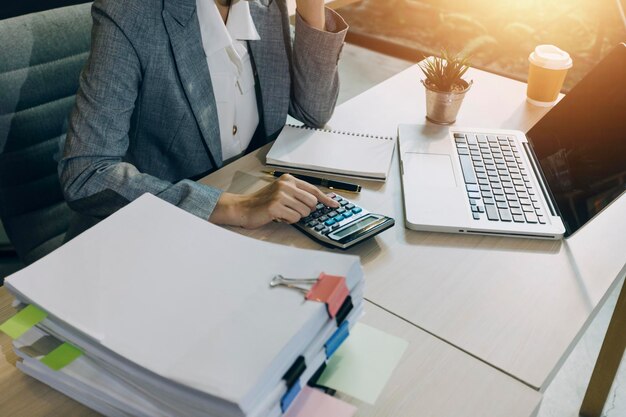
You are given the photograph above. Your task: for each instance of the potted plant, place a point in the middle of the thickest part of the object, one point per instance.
(445, 87)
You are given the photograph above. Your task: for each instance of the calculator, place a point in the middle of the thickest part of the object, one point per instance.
(342, 227)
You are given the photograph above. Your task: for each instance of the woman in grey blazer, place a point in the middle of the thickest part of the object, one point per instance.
(146, 117)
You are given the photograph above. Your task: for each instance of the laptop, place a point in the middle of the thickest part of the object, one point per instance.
(546, 184)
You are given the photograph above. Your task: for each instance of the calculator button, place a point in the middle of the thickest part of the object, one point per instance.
(337, 198)
(350, 206)
(347, 214)
(476, 216)
(330, 222)
(336, 226)
(319, 227)
(338, 218)
(323, 218)
(319, 206)
(344, 202)
(357, 210)
(332, 213)
(331, 195)
(341, 210)
(316, 214)
(312, 223)
(325, 231)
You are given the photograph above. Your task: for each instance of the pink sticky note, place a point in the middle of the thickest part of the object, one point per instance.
(312, 402)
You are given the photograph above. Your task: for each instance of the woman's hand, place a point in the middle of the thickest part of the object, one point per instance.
(287, 199)
(312, 11)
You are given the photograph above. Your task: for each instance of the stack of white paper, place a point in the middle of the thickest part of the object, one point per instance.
(175, 316)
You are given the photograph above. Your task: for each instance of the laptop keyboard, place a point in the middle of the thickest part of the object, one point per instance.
(497, 180)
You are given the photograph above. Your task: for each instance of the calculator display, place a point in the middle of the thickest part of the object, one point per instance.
(356, 226)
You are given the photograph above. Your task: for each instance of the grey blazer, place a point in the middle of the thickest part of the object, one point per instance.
(145, 118)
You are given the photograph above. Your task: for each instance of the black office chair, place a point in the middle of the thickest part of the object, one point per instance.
(40, 61)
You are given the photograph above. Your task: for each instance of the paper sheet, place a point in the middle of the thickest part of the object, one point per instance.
(362, 366)
(314, 403)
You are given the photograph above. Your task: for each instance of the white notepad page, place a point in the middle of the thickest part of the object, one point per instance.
(181, 297)
(332, 152)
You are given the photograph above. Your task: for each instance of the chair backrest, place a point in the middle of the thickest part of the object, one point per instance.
(41, 56)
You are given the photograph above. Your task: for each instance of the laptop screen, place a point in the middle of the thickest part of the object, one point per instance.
(581, 142)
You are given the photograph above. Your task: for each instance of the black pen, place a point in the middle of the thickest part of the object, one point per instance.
(333, 185)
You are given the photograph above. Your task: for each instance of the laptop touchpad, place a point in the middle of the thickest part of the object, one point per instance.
(429, 170)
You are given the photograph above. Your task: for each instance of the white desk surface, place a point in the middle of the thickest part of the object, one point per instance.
(436, 379)
(517, 304)
(520, 317)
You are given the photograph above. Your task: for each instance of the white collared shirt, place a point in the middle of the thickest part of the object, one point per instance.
(231, 72)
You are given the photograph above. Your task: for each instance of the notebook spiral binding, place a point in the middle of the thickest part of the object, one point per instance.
(363, 135)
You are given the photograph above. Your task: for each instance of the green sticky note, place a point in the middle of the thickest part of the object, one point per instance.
(62, 356)
(20, 323)
(364, 363)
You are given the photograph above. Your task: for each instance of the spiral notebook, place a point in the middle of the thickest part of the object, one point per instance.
(325, 151)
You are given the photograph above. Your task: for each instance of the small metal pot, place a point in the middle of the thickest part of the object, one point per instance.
(441, 107)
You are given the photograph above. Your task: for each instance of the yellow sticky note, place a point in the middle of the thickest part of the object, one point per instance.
(364, 363)
(20, 323)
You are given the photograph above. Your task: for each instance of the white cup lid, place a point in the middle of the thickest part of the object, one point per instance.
(550, 57)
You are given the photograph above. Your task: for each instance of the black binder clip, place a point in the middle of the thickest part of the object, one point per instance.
(291, 378)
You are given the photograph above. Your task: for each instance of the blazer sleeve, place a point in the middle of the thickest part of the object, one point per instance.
(315, 78)
(95, 179)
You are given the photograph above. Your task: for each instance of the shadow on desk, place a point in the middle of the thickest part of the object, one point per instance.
(479, 242)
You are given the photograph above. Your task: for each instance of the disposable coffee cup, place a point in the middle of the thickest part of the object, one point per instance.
(547, 71)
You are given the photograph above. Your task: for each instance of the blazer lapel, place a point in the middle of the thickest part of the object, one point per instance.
(271, 64)
(184, 33)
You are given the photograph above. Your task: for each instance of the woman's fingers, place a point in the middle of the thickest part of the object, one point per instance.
(285, 213)
(296, 204)
(313, 190)
(305, 197)
(288, 199)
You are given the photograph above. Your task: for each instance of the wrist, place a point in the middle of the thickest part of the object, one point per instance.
(313, 13)
(229, 210)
